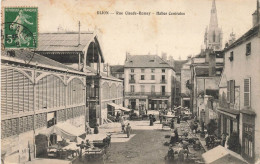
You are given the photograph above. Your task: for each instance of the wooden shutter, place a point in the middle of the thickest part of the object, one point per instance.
(26, 94)
(21, 94)
(3, 92)
(9, 94)
(247, 88)
(16, 75)
(228, 91)
(232, 91)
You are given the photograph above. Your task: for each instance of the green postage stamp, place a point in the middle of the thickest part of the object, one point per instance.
(20, 27)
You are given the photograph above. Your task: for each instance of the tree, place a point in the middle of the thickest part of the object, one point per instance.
(212, 126)
(233, 142)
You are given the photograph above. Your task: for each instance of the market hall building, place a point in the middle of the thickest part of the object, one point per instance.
(37, 93)
(82, 51)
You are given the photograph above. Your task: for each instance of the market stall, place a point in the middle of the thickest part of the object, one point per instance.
(220, 154)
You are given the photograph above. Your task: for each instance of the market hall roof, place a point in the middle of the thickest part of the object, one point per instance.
(146, 61)
(58, 43)
(30, 58)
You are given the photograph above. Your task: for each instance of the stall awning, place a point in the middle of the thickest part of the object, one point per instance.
(114, 105)
(220, 154)
(229, 112)
(125, 109)
(119, 107)
(65, 130)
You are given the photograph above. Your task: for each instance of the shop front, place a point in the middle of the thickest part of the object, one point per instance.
(228, 120)
(248, 135)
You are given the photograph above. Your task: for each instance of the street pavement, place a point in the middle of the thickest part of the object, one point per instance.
(145, 145)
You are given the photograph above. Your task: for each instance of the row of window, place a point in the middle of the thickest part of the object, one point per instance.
(248, 52)
(132, 88)
(142, 77)
(20, 125)
(17, 92)
(111, 92)
(143, 70)
(231, 92)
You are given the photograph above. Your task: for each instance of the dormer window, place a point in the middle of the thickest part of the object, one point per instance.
(231, 57)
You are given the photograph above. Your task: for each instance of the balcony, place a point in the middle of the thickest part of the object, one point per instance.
(148, 93)
(131, 81)
(147, 81)
(163, 81)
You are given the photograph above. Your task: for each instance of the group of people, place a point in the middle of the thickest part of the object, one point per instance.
(181, 150)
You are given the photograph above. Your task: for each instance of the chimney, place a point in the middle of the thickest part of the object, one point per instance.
(256, 15)
(212, 63)
(164, 56)
(127, 56)
(79, 35)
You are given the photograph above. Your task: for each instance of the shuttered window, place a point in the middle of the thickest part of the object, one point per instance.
(247, 89)
(232, 91)
(228, 91)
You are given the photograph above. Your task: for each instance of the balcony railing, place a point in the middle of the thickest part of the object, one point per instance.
(132, 81)
(163, 81)
(148, 93)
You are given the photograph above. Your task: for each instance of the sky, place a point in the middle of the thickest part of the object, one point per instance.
(177, 35)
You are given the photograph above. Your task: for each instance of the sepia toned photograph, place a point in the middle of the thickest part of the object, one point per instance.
(130, 81)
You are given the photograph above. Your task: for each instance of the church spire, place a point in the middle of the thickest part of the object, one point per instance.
(213, 16)
(213, 34)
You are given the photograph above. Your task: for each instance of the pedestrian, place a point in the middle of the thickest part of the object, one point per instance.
(223, 139)
(117, 116)
(160, 116)
(81, 146)
(202, 126)
(96, 131)
(146, 111)
(170, 155)
(176, 135)
(178, 120)
(154, 119)
(122, 124)
(128, 130)
(226, 143)
(88, 129)
(172, 123)
(181, 155)
(151, 120)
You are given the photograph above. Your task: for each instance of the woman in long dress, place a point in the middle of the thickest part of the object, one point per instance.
(226, 143)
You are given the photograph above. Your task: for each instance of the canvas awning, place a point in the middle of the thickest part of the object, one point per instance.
(119, 107)
(220, 154)
(114, 105)
(65, 130)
